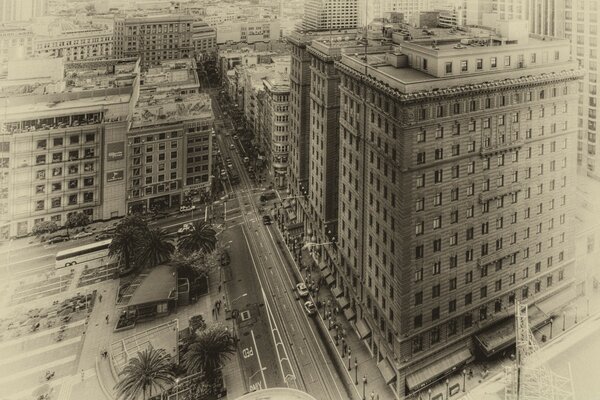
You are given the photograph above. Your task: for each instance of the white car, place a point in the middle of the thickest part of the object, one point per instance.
(310, 308)
(302, 290)
(232, 146)
(187, 227)
(187, 208)
(81, 235)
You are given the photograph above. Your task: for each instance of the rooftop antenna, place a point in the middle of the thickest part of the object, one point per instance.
(366, 40)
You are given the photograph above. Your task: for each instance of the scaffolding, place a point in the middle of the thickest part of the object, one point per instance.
(530, 378)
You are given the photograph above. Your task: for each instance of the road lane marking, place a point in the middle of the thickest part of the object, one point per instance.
(40, 350)
(37, 368)
(262, 371)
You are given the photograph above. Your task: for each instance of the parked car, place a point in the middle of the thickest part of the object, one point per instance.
(187, 208)
(266, 220)
(58, 239)
(246, 160)
(302, 290)
(82, 235)
(225, 260)
(102, 236)
(235, 137)
(310, 308)
(232, 146)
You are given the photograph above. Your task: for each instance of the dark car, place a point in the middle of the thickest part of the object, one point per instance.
(225, 260)
(58, 239)
(266, 220)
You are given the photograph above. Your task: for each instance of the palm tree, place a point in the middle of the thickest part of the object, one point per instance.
(124, 244)
(202, 237)
(155, 248)
(207, 351)
(151, 370)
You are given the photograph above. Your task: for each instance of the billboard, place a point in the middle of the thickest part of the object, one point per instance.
(115, 151)
(114, 176)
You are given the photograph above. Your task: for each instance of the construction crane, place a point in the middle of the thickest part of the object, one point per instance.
(529, 378)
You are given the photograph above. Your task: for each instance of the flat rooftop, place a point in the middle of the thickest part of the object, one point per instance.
(171, 73)
(168, 108)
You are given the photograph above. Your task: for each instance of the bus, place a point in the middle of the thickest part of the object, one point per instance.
(82, 254)
(234, 178)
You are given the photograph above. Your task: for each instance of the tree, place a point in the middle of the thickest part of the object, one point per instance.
(90, 9)
(193, 265)
(44, 227)
(197, 323)
(202, 237)
(126, 240)
(155, 248)
(208, 349)
(150, 371)
(75, 220)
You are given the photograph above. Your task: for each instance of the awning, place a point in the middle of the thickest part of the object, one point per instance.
(349, 314)
(436, 369)
(552, 305)
(363, 329)
(330, 280)
(291, 214)
(325, 272)
(286, 203)
(323, 266)
(337, 292)
(342, 302)
(388, 373)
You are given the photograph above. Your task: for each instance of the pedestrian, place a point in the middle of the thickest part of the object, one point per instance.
(100, 298)
(219, 288)
(106, 319)
(213, 312)
(82, 375)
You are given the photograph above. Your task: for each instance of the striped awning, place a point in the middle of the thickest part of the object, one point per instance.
(436, 369)
(349, 314)
(337, 292)
(363, 329)
(388, 373)
(330, 280)
(342, 302)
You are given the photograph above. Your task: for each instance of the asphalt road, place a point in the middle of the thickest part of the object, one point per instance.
(300, 353)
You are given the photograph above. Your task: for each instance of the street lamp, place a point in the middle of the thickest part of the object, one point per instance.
(575, 314)
(564, 319)
(349, 360)
(464, 372)
(177, 389)
(429, 391)
(372, 395)
(356, 370)
(447, 389)
(364, 384)
(551, 321)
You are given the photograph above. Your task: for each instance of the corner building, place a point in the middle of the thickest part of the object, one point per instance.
(457, 169)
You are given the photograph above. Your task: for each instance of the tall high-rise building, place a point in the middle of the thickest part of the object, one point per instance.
(455, 195)
(22, 10)
(154, 38)
(546, 17)
(583, 30)
(371, 9)
(330, 14)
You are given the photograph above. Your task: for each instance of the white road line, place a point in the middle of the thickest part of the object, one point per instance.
(45, 332)
(37, 368)
(40, 350)
(262, 371)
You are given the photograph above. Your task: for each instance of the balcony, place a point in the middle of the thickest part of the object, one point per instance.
(507, 190)
(501, 148)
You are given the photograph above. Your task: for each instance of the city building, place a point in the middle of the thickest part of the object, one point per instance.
(169, 142)
(321, 15)
(274, 133)
(76, 43)
(581, 28)
(371, 9)
(228, 59)
(248, 31)
(15, 42)
(22, 10)
(204, 38)
(154, 38)
(456, 195)
(546, 17)
(63, 140)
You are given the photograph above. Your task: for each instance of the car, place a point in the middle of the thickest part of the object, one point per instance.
(223, 173)
(187, 227)
(82, 235)
(102, 236)
(301, 289)
(227, 133)
(58, 239)
(225, 259)
(246, 160)
(187, 208)
(235, 137)
(310, 308)
(250, 169)
(228, 159)
(232, 146)
(266, 220)
(230, 165)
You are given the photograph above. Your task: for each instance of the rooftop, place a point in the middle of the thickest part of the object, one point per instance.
(171, 73)
(170, 107)
(159, 285)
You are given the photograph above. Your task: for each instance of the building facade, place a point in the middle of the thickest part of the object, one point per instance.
(83, 44)
(275, 128)
(320, 15)
(546, 17)
(456, 197)
(22, 10)
(63, 151)
(204, 38)
(581, 28)
(15, 42)
(248, 31)
(154, 38)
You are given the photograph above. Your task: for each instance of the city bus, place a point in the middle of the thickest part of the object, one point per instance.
(82, 254)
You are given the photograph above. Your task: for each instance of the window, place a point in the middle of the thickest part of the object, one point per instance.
(464, 66)
(493, 62)
(418, 298)
(479, 63)
(435, 314)
(507, 61)
(448, 67)
(435, 291)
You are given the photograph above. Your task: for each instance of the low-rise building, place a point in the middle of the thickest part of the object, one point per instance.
(248, 31)
(76, 44)
(204, 38)
(62, 140)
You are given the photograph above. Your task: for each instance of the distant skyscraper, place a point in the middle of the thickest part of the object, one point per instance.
(330, 14)
(545, 16)
(581, 27)
(22, 10)
(378, 8)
